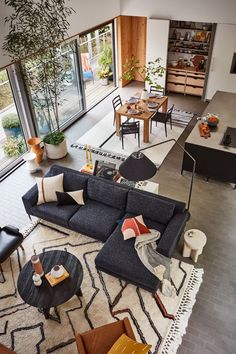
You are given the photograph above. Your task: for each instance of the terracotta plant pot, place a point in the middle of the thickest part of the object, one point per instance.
(34, 144)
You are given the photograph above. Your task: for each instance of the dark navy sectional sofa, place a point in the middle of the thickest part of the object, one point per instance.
(106, 204)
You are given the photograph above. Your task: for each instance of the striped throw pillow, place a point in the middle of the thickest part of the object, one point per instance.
(47, 188)
(133, 227)
(126, 345)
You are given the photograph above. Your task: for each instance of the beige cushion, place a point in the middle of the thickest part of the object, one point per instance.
(47, 188)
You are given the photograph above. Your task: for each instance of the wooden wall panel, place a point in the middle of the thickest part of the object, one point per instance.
(131, 39)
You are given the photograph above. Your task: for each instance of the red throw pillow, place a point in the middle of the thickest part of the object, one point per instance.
(133, 227)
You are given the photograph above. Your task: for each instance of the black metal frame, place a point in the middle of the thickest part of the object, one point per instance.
(132, 128)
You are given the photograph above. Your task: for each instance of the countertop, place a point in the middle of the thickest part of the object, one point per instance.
(224, 105)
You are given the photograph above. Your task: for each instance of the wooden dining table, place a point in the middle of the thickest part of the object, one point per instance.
(144, 114)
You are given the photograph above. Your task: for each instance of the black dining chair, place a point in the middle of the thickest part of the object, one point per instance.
(162, 117)
(128, 128)
(117, 103)
(154, 90)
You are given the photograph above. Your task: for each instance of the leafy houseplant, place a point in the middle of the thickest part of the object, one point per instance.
(36, 27)
(149, 73)
(11, 125)
(14, 146)
(105, 62)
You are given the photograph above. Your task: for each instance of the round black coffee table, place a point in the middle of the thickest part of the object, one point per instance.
(44, 296)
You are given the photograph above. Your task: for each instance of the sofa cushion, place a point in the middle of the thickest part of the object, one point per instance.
(73, 180)
(126, 264)
(56, 214)
(107, 193)
(95, 219)
(47, 188)
(68, 198)
(150, 206)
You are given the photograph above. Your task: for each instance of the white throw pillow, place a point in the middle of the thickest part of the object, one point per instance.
(47, 188)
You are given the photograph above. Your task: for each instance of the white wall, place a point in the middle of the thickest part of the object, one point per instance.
(217, 11)
(89, 13)
(222, 55)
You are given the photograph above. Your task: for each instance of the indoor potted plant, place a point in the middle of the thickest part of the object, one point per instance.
(42, 66)
(11, 125)
(149, 73)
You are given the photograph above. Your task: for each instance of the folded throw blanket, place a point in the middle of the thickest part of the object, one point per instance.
(155, 262)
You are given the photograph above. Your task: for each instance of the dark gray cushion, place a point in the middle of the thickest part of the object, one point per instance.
(107, 193)
(149, 206)
(95, 219)
(73, 180)
(56, 214)
(125, 263)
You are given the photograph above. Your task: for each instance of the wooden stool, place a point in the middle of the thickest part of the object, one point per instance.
(194, 241)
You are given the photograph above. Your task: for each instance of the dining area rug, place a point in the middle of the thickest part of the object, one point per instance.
(159, 321)
(103, 135)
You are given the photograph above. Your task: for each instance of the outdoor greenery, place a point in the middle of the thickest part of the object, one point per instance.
(14, 146)
(36, 29)
(6, 98)
(10, 121)
(149, 73)
(105, 62)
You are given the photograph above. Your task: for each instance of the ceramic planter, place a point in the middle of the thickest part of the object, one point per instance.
(104, 81)
(34, 144)
(55, 152)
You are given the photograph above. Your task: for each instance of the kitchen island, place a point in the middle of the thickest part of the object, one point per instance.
(212, 158)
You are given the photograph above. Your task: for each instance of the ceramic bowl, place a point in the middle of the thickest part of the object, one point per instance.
(57, 271)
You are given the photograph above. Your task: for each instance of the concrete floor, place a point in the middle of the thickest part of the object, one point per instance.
(212, 325)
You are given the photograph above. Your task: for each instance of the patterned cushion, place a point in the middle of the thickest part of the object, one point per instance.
(126, 345)
(133, 227)
(68, 198)
(47, 188)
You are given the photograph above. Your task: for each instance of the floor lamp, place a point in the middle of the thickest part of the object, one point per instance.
(138, 167)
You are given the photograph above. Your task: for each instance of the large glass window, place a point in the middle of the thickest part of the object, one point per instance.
(97, 60)
(12, 141)
(70, 103)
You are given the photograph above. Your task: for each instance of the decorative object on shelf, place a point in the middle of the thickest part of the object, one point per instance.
(138, 167)
(47, 83)
(106, 170)
(31, 165)
(194, 241)
(198, 62)
(89, 160)
(149, 73)
(37, 279)
(37, 265)
(34, 144)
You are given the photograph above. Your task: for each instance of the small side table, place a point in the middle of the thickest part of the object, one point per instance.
(194, 241)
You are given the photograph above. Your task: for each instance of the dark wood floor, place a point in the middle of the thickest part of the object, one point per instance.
(212, 325)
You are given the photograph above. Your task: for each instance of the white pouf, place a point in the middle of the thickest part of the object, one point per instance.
(194, 241)
(31, 165)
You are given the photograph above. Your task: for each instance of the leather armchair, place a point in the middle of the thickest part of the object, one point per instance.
(101, 339)
(10, 240)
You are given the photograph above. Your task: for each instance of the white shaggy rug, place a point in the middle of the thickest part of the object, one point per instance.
(159, 321)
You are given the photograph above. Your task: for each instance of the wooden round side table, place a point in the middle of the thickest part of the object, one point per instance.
(194, 241)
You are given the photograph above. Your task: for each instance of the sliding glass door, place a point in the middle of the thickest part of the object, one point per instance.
(12, 140)
(97, 61)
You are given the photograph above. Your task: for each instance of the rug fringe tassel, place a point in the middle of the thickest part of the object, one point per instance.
(178, 327)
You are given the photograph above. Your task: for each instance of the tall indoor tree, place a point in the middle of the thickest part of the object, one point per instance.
(36, 29)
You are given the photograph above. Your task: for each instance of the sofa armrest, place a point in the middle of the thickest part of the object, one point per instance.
(172, 234)
(30, 198)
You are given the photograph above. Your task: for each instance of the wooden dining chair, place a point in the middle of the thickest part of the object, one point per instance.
(162, 117)
(117, 103)
(128, 128)
(160, 91)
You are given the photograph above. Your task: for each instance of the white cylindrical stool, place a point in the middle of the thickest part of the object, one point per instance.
(31, 165)
(194, 241)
